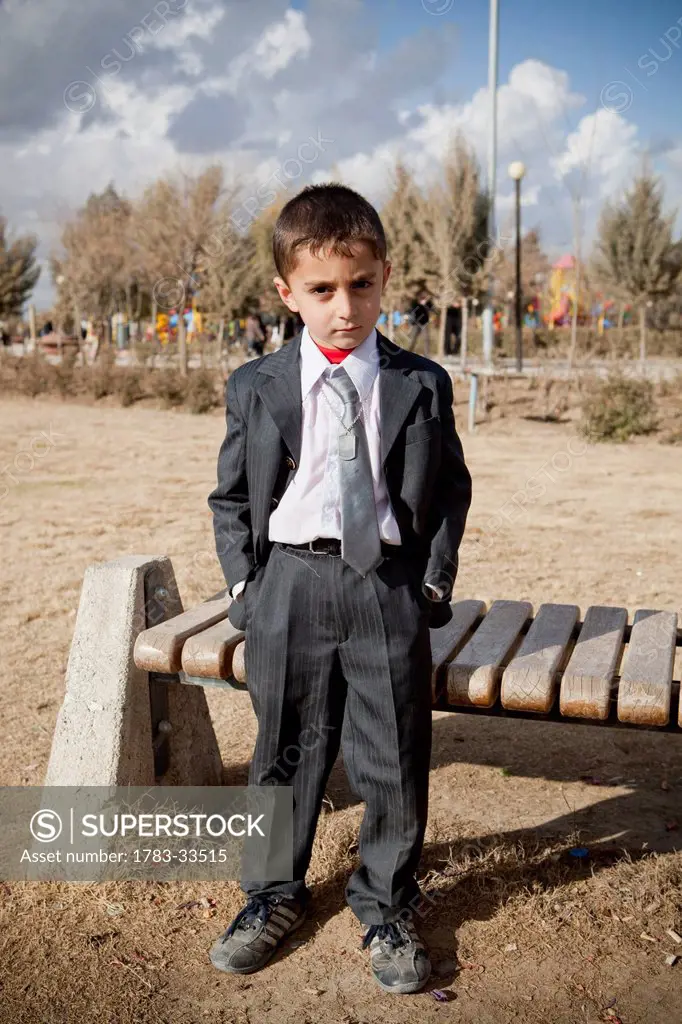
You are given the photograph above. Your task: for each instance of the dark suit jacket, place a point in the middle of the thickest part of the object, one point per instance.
(428, 483)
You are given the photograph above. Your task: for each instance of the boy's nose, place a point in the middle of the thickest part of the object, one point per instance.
(344, 307)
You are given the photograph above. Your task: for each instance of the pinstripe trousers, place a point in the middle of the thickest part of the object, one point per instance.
(337, 661)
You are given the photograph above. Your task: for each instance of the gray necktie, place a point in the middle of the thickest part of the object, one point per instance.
(360, 541)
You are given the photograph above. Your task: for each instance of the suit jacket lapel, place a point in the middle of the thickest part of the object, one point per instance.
(281, 393)
(397, 392)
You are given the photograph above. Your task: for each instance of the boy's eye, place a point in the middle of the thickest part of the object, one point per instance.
(362, 284)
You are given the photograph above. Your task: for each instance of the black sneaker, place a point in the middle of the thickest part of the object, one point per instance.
(256, 932)
(399, 960)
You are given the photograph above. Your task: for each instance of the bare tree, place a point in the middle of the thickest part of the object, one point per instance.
(174, 221)
(635, 252)
(400, 216)
(259, 288)
(93, 271)
(224, 270)
(534, 266)
(452, 220)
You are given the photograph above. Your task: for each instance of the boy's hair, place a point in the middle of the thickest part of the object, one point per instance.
(325, 217)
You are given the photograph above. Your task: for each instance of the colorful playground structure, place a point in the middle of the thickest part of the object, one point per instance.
(559, 299)
(167, 324)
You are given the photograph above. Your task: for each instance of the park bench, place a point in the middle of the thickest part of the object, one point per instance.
(609, 667)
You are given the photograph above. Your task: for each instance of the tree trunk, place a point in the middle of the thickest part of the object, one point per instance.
(77, 331)
(32, 325)
(182, 343)
(621, 330)
(642, 335)
(221, 335)
(155, 313)
(577, 237)
(574, 318)
(441, 328)
(464, 337)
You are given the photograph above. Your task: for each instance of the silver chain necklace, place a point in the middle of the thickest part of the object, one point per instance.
(348, 442)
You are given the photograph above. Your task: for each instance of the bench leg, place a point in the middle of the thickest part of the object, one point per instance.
(103, 735)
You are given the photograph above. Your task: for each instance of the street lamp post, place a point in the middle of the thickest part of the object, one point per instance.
(516, 172)
(493, 39)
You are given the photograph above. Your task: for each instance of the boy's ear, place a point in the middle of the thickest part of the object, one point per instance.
(285, 293)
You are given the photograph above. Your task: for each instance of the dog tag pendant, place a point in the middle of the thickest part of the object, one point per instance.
(348, 444)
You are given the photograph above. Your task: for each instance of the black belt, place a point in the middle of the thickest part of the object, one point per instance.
(332, 546)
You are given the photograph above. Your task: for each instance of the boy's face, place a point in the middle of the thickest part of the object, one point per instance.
(338, 297)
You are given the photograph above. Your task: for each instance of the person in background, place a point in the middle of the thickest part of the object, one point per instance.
(453, 329)
(418, 316)
(292, 325)
(254, 334)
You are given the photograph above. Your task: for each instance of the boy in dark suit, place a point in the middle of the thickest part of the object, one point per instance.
(341, 502)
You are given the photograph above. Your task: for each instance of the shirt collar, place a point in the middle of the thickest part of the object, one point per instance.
(362, 364)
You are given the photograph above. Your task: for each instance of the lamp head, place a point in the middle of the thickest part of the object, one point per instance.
(516, 170)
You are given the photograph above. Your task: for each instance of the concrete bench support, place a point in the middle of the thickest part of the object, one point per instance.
(104, 731)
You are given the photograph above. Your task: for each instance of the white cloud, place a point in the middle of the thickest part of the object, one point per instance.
(604, 146)
(279, 44)
(248, 84)
(198, 23)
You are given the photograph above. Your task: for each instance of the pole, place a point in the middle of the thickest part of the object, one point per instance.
(32, 325)
(492, 176)
(473, 398)
(577, 233)
(519, 334)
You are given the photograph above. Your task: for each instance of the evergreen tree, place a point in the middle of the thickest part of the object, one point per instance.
(635, 252)
(18, 271)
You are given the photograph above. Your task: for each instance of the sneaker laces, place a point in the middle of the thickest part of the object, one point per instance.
(395, 933)
(258, 908)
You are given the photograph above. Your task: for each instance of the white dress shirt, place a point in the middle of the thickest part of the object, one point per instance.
(311, 504)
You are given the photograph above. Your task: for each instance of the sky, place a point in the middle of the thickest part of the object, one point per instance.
(93, 92)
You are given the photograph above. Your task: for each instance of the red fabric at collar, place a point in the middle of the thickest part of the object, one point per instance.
(335, 355)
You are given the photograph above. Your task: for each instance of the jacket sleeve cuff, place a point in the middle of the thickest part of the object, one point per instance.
(436, 591)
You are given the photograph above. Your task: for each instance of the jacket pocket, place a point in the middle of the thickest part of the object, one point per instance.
(422, 431)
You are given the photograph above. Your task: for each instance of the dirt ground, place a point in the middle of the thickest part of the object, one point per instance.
(519, 929)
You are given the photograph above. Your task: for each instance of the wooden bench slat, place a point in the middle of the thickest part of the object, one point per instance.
(209, 653)
(159, 648)
(530, 681)
(447, 640)
(473, 676)
(238, 663)
(586, 683)
(645, 687)
(444, 641)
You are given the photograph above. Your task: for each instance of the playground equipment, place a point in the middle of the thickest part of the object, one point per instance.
(167, 324)
(561, 293)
